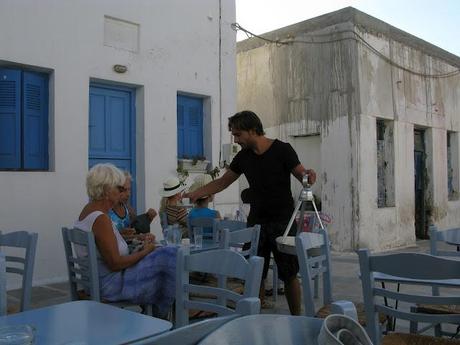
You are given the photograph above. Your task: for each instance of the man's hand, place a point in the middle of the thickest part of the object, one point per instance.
(311, 176)
(192, 196)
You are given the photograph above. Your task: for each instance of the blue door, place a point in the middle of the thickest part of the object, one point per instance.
(112, 129)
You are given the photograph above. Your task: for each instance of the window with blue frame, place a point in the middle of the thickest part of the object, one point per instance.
(23, 120)
(189, 127)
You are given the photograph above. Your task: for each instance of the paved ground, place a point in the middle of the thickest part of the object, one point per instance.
(346, 285)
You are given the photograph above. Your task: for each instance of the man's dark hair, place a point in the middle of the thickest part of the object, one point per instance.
(245, 121)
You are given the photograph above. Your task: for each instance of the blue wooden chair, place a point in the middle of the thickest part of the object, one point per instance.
(237, 239)
(81, 257)
(207, 224)
(163, 220)
(410, 268)
(224, 264)
(229, 224)
(3, 298)
(22, 265)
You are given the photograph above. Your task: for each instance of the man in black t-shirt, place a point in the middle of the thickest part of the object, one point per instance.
(267, 165)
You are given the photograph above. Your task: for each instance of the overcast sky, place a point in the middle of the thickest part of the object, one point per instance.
(437, 22)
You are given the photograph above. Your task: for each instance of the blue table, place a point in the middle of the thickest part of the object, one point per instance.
(267, 329)
(87, 322)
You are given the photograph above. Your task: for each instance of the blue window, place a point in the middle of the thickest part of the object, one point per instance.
(23, 120)
(189, 127)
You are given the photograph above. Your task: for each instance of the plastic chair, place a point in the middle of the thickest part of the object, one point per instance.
(82, 269)
(237, 238)
(412, 268)
(205, 223)
(223, 263)
(3, 299)
(190, 334)
(22, 265)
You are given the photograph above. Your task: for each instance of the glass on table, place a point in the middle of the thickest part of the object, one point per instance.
(198, 237)
(17, 335)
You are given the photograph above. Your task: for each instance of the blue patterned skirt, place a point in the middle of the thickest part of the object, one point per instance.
(151, 281)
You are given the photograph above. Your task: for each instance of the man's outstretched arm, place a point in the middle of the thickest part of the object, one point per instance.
(213, 187)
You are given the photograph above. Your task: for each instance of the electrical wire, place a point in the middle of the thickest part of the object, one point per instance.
(355, 37)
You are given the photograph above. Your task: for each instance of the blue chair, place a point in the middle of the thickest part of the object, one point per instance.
(22, 265)
(223, 263)
(237, 239)
(81, 258)
(231, 225)
(3, 299)
(408, 268)
(206, 223)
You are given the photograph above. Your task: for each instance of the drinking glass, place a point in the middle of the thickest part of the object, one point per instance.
(198, 237)
(176, 235)
(17, 335)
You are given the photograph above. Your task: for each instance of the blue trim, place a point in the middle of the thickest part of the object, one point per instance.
(189, 126)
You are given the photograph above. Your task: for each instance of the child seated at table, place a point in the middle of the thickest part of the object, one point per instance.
(201, 209)
(170, 203)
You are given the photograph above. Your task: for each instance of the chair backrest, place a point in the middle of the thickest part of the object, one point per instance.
(208, 225)
(164, 220)
(24, 264)
(237, 239)
(449, 236)
(313, 263)
(423, 268)
(81, 258)
(223, 263)
(231, 225)
(3, 299)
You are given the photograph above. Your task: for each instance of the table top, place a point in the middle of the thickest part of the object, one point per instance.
(267, 329)
(86, 322)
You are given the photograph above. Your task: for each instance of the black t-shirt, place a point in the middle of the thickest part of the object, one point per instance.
(269, 180)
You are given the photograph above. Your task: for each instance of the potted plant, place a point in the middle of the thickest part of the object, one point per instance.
(193, 164)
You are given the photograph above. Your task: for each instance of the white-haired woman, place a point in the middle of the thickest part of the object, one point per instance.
(144, 277)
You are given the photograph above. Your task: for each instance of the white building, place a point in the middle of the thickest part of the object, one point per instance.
(369, 107)
(88, 81)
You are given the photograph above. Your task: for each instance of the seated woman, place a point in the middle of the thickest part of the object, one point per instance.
(171, 196)
(144, 277)
(124, 216)
(201, 209)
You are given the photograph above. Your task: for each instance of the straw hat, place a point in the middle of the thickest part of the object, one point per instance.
(172, 186)
(200, 181)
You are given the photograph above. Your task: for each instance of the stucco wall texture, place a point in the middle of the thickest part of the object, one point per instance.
(326, 80)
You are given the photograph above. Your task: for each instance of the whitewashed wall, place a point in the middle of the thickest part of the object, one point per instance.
(178, 50)
(410, 101)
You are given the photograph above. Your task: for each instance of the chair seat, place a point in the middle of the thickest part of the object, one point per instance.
(415, 339)
(438, 309)
(324, 311)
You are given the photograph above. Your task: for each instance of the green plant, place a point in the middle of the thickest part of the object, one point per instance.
(195, 159)
(182, 173)
(214, 172)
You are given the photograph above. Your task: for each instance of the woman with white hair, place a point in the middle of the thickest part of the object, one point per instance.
(144, 277)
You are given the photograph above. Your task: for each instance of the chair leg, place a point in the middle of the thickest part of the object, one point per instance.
(275, 281)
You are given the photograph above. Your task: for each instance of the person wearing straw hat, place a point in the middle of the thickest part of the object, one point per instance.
(201, 209)
(171, 193)
(268, 165)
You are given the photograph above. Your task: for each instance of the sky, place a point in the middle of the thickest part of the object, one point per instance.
(437, 22)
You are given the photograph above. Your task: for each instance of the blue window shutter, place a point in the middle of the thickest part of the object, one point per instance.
(189, 126)
(10, 119)
(195, 130)
(35, 121)
(180, 131)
